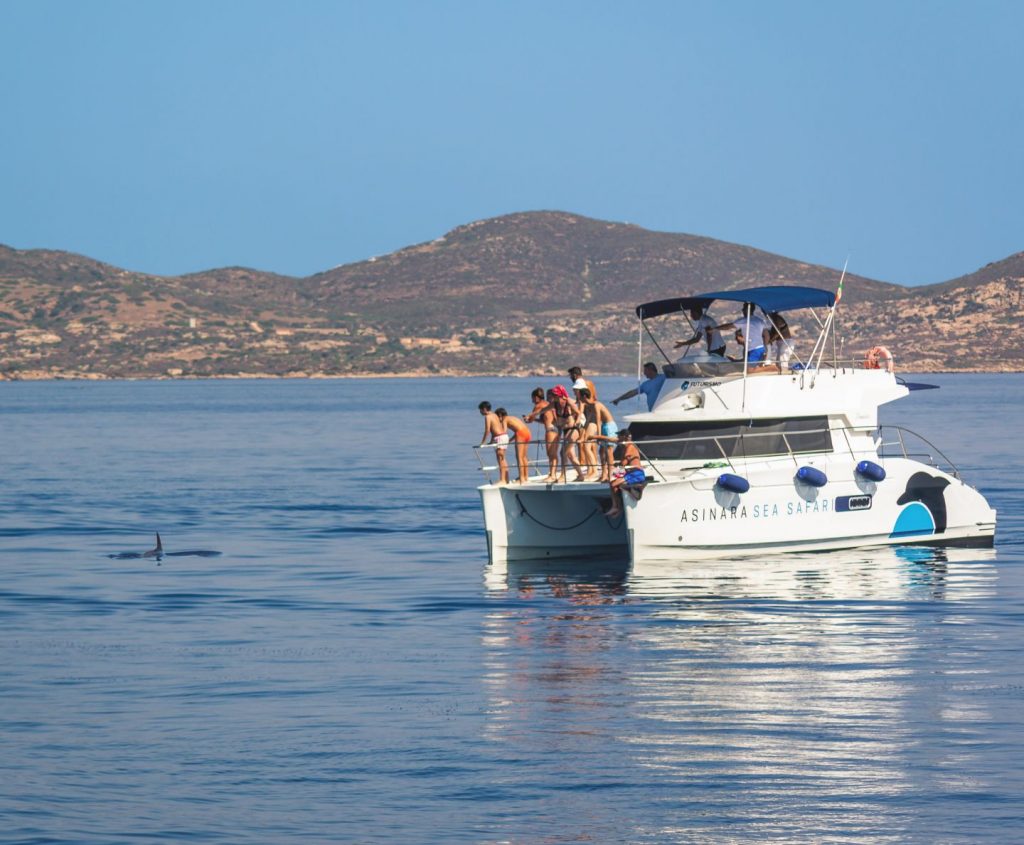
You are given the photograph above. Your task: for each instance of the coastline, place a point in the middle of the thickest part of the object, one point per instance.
(36, 375)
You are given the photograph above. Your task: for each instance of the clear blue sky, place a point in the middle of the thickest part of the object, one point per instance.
(170, 137)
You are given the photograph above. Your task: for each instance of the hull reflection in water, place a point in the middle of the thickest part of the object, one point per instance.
(878, 572)
(784, 695)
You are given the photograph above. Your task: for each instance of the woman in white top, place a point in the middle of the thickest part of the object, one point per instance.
(779, 348)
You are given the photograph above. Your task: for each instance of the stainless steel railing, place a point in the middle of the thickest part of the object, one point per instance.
(899, 448)
(857, 447)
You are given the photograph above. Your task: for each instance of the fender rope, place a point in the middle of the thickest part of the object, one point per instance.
(524, 512)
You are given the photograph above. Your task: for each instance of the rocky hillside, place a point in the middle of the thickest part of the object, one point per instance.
(522, 293)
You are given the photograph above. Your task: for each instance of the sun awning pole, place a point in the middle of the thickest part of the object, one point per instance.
(829, 325)
(746, 356)
(654, 340)
(835, 352)
(639, 355)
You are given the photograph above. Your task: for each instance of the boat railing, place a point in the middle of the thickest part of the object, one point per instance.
(728, 457)
(537, 459)
(892, 443)
(718, 442)
(727, 369)
(888, 441)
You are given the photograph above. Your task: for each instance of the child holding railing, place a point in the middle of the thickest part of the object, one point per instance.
(519, 435)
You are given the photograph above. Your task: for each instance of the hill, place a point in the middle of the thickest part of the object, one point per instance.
(523, 293)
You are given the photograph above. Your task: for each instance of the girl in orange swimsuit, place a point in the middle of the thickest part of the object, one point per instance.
(520, 431)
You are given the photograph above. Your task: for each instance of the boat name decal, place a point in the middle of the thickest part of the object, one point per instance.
(767, 510)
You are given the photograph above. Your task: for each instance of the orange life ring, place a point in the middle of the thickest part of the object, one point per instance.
(877, 358)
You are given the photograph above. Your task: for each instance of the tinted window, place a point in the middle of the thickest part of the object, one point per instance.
(711, 441)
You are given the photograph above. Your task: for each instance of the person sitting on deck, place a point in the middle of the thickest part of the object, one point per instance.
(756, 342)
(704, 329)
(499, 437)
(650, 388)
(520, 435)
(632, 474)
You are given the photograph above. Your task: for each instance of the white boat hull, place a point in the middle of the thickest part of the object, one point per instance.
(537, 521)
(693, 518)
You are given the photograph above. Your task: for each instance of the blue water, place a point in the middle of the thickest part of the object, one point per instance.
(349, 669)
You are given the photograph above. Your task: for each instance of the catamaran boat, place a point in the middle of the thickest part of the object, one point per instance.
(745, 458)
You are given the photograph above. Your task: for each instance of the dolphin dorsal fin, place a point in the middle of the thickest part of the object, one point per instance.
(159, 545)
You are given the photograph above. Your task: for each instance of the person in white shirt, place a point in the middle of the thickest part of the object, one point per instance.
(779, 333)
(754, 330)
(704, 329)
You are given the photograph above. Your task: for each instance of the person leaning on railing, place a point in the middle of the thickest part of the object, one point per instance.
(545, 413)
(650, 388)
(499, 438)
(567, 421)
(520, 436)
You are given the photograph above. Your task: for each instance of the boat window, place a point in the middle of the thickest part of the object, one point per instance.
(711, 441)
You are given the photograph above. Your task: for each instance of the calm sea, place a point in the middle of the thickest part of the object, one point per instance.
(349, 670)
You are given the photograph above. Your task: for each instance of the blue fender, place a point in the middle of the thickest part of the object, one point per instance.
(871, 471)
(733, 483)
(812, 476)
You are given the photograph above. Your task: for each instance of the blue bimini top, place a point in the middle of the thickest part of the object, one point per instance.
(768, 299)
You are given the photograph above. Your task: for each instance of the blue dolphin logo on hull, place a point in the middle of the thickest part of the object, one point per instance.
(926, 512)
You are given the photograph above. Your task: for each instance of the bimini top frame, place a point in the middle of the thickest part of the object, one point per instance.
(768, 299)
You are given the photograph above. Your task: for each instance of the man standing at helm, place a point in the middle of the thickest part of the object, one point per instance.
(754, 330)
(704, 328)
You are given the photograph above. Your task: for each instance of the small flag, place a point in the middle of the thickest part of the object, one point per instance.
(842, 277)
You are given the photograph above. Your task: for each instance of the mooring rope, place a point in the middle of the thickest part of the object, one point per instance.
(524, 512)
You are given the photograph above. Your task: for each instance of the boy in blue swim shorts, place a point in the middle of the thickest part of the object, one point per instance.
(632, 473)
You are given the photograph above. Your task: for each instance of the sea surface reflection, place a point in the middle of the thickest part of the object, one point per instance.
(349, 669)
(729, 687)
